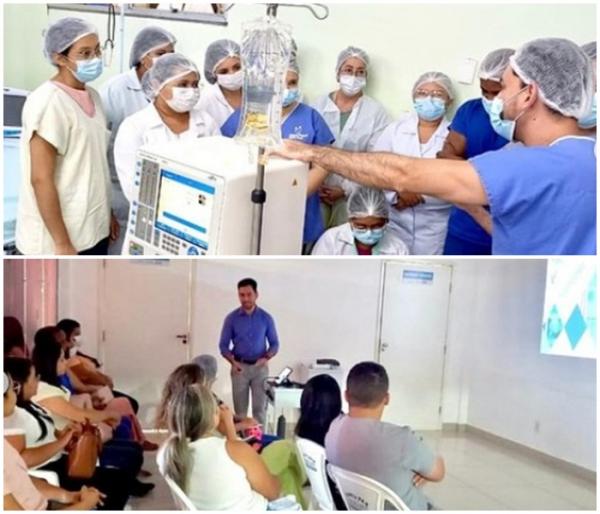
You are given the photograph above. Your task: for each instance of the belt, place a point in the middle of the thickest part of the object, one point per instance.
(246, 361)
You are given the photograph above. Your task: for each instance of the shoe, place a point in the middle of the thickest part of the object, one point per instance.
(149, 446)
(139, 489)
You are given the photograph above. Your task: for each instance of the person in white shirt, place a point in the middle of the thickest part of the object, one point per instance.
(367, 231)
(172, 84)
(64, 200)
(421, 220)
(200, 461)
(122, 96)
(223, 71)
(356, 121)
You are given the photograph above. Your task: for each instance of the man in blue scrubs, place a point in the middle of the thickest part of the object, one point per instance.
(301, 123)
(248, 340)
(542, 196)
(472, 134)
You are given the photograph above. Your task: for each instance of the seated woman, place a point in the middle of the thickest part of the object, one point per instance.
(172, 86)
(301, 122)
(23, 492)
(367, 231)
(102, 398)
(201, 462)
(86, 367)
(14, 339)
(50, 363)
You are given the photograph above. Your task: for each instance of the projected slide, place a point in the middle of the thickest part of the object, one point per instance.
(569, 325)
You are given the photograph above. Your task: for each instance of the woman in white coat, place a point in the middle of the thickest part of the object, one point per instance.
(356, 120)
(420, 221)
(223, 71)
(173, 86)
(367, 230)
(123, 96)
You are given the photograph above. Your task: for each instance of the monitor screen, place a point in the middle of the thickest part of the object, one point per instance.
(13, 108)
(185, 208)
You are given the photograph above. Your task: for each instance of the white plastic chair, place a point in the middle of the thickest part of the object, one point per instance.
(363, 493)
(313, 460)
(49, 476)
(182, 502)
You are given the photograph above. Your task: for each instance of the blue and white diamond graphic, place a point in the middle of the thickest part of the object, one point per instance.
(575, 327)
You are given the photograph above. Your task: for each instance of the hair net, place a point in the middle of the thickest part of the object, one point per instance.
(367, 201)
(439, 78)
(562, 72)
(216, 53)
(349, 52)
(148, 39)
(64, 33)
(590, 50)
(494, 64)
(208, 364)
(6, 383)
(293, 66)
(166, 68)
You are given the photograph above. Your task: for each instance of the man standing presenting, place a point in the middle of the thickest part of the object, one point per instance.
(248, 341)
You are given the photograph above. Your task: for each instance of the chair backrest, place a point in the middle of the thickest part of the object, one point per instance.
(182, 502)
(363, 493)
(313, 459)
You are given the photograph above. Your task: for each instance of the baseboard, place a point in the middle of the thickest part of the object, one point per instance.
(563, 465)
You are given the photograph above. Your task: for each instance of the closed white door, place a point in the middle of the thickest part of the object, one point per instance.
(412, 341)
(145, 313)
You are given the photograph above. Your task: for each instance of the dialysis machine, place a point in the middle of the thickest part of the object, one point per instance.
(193, 198)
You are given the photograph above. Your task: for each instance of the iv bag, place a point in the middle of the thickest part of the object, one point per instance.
(266, 50)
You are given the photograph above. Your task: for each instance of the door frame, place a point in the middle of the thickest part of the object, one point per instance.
(380, 305)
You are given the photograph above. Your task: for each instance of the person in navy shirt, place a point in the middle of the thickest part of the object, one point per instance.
(300, 122)
(248, 340)
(472, 134)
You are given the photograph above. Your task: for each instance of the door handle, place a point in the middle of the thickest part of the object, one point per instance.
(183, 337)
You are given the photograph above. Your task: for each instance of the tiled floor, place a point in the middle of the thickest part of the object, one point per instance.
(480, 475)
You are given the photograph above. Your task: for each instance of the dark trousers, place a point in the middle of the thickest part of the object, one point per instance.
(101, 248)
(114, 483)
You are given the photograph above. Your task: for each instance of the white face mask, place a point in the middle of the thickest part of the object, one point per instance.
(352, 85)
(184, 98)
(231, 82)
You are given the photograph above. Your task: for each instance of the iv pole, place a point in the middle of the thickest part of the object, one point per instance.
(259, 195)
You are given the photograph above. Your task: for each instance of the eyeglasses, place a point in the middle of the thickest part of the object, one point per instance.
(86, 55)
(438, 93)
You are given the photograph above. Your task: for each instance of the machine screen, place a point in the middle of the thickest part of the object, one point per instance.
(185, 208)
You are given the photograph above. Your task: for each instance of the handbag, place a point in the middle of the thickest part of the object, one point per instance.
(84, 452)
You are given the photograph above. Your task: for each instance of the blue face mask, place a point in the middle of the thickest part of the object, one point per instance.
(89, 70)
(589, 120)
(430, 109)
(487, 104)
(504, 128)
(290, 96)
(369, 237)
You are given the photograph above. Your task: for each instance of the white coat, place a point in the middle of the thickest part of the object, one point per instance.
(214, 103)
(147, 128)
(423, 228)
(362, 130)
(340, 241)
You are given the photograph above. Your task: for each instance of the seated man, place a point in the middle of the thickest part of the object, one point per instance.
(393, 455)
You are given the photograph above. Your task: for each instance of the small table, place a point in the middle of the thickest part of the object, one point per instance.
(280, 398)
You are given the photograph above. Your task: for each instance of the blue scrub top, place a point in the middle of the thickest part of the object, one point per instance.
(542, 198)
(303, 124)
(472, 121)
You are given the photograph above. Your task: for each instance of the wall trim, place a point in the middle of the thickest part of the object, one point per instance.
(567, 467)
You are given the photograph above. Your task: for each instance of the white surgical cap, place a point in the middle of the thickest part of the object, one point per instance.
(350, 52)
(562, 72)
(216, 53)
(439, 78)
(495, 63)
(64, 33)
(367, 201)
(148, 39)
(166, 68)
(590, 50)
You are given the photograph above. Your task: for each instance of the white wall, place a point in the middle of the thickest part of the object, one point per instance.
(403, 39)
(495, 378)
